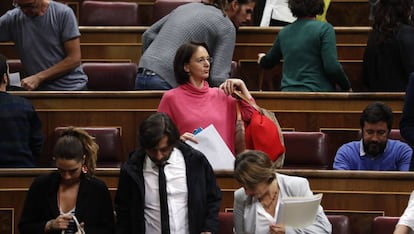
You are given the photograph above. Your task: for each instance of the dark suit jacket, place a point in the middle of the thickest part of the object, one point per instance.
(204, 196)
(93, 205)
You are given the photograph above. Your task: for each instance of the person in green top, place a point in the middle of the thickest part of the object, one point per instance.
(308, 49)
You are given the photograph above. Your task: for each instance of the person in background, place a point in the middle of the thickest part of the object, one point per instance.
(214, 24)
(389, 55)
(308, 49)
(257, 202)
(405, 224)
(72, 191)
(166, 186)
(407, 117)
(374, 151)
(46, 36)
(277, 13)
(195, 104)
(21, 134)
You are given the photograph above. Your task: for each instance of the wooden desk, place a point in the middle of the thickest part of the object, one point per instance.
(362, 195)
(332, 113)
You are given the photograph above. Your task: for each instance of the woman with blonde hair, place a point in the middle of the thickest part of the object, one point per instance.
(256, 203)
(56, 200)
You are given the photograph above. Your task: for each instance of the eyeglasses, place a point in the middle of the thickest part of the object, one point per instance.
(25, 6)
(204, 59)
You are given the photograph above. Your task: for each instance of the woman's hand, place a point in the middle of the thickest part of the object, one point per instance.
(259, 57)
(277, 229)
(188, 136)
(230, 85)
(60, 223)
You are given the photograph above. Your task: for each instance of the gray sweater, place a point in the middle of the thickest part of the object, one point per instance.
(190, 22)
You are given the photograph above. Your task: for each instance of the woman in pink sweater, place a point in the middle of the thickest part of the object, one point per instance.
(194, 104)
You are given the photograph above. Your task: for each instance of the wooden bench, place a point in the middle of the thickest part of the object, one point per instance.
(360, 195)
(335, 114)
(124, 44)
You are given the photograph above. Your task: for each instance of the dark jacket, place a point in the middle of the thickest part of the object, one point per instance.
(21, 132)
(93, 205)
(407, 117)
(204, 195)
(386, 67)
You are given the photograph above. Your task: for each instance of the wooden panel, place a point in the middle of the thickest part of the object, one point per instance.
(328, 112)
(362, 195)
(124, 44)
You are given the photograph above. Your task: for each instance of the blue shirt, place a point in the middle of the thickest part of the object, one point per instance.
(351, 156)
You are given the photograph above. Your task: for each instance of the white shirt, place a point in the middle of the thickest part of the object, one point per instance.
(177, 194)
(264, 219)
(278, 10)
(407, 217)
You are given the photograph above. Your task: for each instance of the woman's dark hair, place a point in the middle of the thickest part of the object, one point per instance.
(306, 8)
(73, 144)
(182, 57)
(155, 127)
(389, 16)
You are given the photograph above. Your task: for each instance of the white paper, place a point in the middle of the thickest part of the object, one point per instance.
(298, 212)
(15, 79)
(214, 148)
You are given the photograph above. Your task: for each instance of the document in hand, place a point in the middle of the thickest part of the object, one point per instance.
(15, 79)
(214, 148)
(298, 212)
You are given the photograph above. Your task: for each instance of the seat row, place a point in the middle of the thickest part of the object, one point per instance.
(341, 224)
(304, 150)
(340, 13)
(106, 76)
(118, 13)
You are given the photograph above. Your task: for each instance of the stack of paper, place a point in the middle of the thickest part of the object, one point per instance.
(214, 148)
(298, 212)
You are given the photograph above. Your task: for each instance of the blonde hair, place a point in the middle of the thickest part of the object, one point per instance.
(253, 167)
(73, 144)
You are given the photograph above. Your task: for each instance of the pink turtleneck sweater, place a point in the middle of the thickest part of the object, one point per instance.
(190, 107)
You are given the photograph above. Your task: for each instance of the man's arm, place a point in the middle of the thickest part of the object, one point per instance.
(70, 62)
(222, 55)
(341, 161)
(405, 157)
(401, 229)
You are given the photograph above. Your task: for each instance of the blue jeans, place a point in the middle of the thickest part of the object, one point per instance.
(149, 80)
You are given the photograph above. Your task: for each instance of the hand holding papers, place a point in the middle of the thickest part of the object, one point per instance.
(214, 148)
(15, 79)
(298, 212)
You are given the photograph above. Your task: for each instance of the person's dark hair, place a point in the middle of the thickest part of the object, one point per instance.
(376, 112)
(155, 127)
(73, 144)
(222, 4)
(306, 8)
(3, 66)
(182, 57)
(389, 16)
(253, 167)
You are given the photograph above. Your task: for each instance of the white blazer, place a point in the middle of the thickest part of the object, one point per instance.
(290, 186)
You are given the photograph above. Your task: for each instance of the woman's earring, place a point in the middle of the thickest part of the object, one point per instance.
(84, 169)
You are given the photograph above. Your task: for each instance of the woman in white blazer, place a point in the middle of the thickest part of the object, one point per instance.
(256, 203)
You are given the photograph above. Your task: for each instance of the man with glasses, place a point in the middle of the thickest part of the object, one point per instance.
(46, 36)
(215, 24)
(374, 151)
(166, 186)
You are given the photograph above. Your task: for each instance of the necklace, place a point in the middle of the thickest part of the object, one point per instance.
(266, 206)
